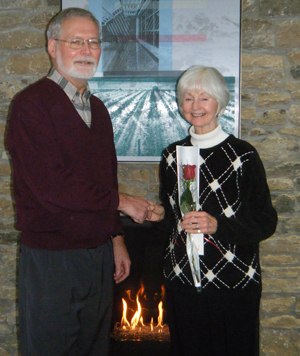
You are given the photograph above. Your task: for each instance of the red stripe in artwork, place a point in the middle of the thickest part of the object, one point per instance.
(182, 38)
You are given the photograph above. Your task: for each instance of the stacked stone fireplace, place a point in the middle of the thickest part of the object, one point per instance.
(146, 246)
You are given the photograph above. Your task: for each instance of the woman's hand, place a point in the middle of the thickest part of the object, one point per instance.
(155, 212)
(196, 222)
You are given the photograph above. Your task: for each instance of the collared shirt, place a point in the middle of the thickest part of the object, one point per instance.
(80, 102)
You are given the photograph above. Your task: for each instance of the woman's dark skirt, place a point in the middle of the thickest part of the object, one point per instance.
(213, 324)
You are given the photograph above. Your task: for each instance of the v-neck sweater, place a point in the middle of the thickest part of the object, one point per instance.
(64, 173)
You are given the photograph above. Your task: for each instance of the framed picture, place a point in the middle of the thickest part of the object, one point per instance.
(147, 45)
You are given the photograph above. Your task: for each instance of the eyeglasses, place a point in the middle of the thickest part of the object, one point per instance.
(77, 43)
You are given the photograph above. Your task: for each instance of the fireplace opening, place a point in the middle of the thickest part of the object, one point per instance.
(139, 319)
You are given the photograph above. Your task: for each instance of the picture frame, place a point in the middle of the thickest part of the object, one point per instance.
(147, 45)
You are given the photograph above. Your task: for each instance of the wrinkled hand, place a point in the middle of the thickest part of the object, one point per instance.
(155, 212)
(121, 258)
(135, 207)
(199, 222)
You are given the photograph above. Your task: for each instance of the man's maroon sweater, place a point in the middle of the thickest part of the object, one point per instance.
(64, 173)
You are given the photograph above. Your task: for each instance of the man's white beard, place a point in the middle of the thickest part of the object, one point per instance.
(84, 73)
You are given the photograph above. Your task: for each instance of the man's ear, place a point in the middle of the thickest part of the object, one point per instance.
(52, 47)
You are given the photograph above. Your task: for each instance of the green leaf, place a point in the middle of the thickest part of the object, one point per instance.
(186, 201)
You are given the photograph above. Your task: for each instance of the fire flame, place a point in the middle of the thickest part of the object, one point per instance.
(124, 320)
(137, 318)
(137, 315)
(160, 314)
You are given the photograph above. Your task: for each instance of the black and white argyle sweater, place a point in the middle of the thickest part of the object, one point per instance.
(234, 190)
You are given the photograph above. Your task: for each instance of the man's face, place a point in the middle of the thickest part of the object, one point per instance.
(76, 65)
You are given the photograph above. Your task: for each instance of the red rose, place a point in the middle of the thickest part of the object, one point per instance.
(188, 171)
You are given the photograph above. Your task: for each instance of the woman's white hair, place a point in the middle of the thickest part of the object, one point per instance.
(210, 80)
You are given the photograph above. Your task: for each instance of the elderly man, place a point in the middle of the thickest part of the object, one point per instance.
(60, 140)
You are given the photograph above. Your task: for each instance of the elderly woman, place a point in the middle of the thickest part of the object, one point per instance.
(236, 214)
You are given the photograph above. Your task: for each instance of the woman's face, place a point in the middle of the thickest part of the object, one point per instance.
(200, 110)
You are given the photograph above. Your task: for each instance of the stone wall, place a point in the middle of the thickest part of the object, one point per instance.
(270, 112)
(271, 121)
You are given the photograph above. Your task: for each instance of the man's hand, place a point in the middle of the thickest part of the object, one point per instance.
(122, 260)
(155, 212)
(135, 207)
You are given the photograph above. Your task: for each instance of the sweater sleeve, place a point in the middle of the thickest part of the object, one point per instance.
(39, 164)
(256, 220)
(168, 223)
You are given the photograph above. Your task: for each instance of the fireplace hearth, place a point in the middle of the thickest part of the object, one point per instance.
(143, 292)
(139, 348)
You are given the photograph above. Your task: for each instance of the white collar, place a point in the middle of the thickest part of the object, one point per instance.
(208, 140)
